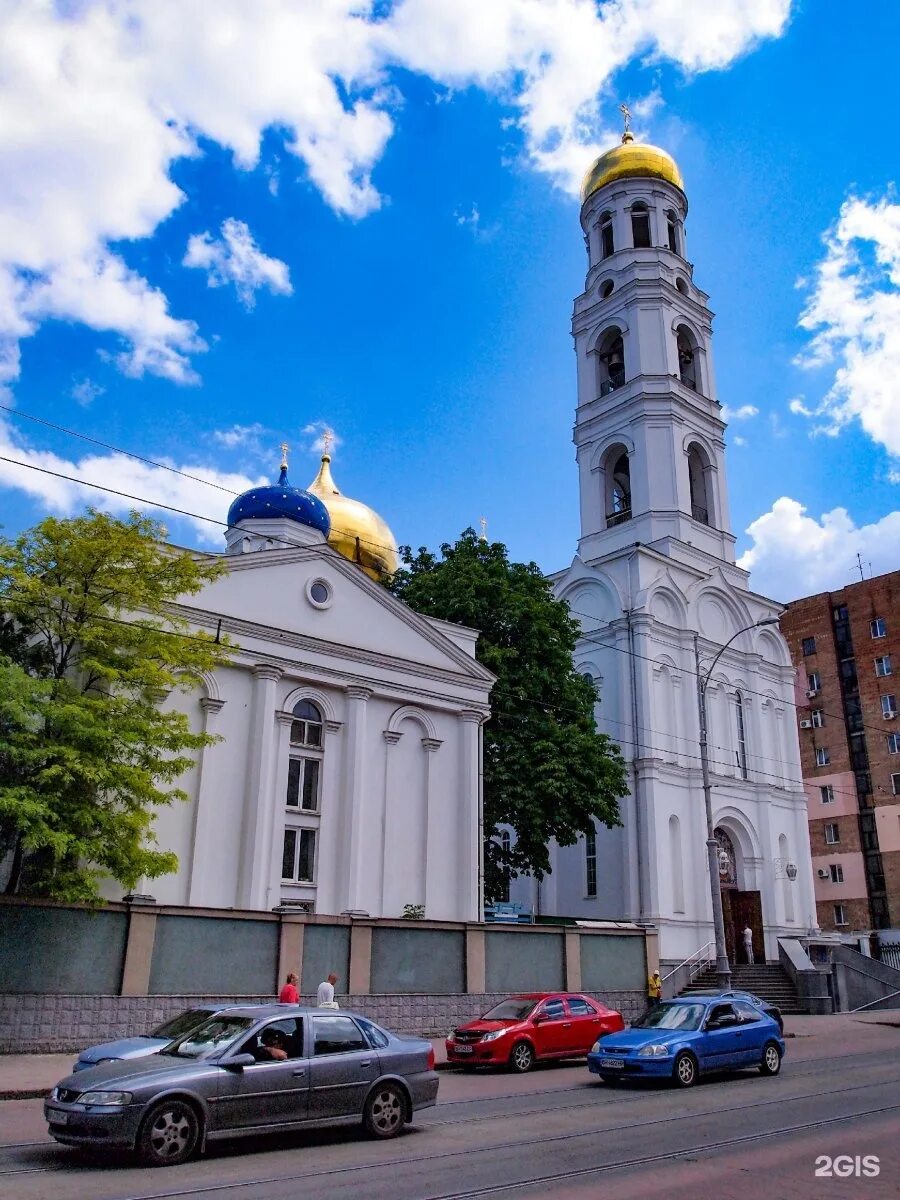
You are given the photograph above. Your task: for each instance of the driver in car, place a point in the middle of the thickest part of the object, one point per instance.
(272, 1047)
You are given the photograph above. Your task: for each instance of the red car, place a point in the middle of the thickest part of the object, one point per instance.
(536, 1025)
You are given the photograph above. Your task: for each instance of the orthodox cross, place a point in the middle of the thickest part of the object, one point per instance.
(483, 524)
(327, 442)
(284, 447)
(626, 113)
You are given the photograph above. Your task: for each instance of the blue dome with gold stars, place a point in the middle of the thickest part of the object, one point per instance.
(281, 500)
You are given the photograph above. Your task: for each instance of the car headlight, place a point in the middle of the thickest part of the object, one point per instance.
(595, 1049)
(105, 1098)
(654, 1051)
(493, 1035)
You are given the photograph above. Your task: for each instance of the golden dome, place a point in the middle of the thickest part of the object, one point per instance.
(631, 160)
(356, 531)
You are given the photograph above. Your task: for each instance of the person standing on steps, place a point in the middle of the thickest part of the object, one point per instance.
(748, 944)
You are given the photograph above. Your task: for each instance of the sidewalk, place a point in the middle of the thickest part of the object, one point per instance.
(27, 1076)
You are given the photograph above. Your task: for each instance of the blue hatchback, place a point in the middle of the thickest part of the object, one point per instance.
(680, 1038)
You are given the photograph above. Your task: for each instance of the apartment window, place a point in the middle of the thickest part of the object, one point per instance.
(303, 784)
(895, 784)
(878, 627)
(826, 792)
(837, 872)
(298, 860)
(590, 863)
(883, 665)
(893, 743)
(841, 613)
(809, 645)
(813, 682)
(840, 916)
(822, 756)
(818, 718)
(888, 707)
(832, 834)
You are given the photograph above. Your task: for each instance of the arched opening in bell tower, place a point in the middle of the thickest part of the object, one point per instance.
(698, 473)
(688, 367)
(673, 231)
(640, 225)
(617, 486)
(611, 361)
(607, 240)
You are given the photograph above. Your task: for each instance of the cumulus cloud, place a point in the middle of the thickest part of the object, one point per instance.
(853, 317)
(85, 392)
(794, 554)
(320, 437)
(744, 413)
(98, 100)
(207, 494)
(236, 258)
(240, 435)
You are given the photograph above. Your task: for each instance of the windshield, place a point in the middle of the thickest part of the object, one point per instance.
(672, 1016)
(213, 1035)
(515, 1009)
(183, 1023)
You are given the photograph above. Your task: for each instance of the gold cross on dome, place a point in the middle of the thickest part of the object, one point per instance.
(483, 524)
(284, 447)
(327, 441)
(626, 113)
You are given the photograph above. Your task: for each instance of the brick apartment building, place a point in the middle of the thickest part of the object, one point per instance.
(846, 647)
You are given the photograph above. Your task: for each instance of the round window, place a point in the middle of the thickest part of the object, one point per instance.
(681, 285)
(318, 592)
(606, 289)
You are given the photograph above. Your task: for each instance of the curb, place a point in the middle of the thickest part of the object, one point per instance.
(24, 1094)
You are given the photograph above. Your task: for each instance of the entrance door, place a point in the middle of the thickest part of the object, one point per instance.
(746, 909)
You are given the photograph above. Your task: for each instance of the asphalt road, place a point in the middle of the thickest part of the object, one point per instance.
(554, 1132)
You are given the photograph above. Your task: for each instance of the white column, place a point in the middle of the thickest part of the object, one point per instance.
(354, 788)
(202, 861)
(393, 818)
(275, 825)
(258, 794)
(434, 848)
(332, 850)
(471, 810)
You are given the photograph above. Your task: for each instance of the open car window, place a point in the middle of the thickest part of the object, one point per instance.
(276, 1041)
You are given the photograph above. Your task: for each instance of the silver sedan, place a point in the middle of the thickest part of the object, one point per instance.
(253, 1070)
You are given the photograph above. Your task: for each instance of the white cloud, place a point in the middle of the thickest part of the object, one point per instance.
(85, 392)
(321, 437)
(207, 495)
(744, 413)
(240, 435)
(853, 315)
(737, 440)
(99, 98)
(795, 555)
(236, 258)
(471, 220)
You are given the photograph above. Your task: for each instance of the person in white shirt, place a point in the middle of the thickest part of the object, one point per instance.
(325, 994)
(748, 944)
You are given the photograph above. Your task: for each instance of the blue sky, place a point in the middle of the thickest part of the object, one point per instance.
(219, 230)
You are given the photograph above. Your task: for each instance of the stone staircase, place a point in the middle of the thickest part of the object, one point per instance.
(769, 981)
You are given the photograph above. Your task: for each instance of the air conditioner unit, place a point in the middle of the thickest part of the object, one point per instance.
(812, 692)
(822, 873)
(806, 724)
(889, 716)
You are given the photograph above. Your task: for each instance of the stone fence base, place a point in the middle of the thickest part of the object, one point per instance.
(39, 1024)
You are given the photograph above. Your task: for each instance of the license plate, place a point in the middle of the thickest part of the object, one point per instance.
(463, 1049)
(615, 1063)
(58, 1118)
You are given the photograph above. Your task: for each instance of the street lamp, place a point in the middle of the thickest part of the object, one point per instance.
(723, 971)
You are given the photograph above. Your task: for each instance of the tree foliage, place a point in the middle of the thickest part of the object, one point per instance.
(547, 772)
(89, 648)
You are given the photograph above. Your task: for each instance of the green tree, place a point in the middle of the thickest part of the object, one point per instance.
(89, 647)
(547, 772)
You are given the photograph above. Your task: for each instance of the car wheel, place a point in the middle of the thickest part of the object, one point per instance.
(169, 1134)
(385, 1112)
(685, 1070)
(521, 1058)
(771, 1060)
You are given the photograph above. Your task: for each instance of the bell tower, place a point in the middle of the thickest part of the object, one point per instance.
(648, 427)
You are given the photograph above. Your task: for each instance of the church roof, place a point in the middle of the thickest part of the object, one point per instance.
(631, 160)
(357, 531)
(280, 501)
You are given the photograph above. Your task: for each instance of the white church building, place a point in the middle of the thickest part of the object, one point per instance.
(347, 777)
(655, 587)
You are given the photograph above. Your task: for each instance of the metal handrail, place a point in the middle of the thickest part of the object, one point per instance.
(880, 1000)
(704, 962)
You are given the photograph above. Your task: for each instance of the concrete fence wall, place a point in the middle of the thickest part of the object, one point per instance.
(71, 975)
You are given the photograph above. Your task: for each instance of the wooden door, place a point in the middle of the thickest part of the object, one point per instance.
(746, 908)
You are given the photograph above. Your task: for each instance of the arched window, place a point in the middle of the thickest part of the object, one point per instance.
(640, 225)
(698, 473)
(687, 358)
(617, 482)
(302, 799)
(607, 241)
(673, 231)
(505, 844)
(306, 728)
(727, 859)
(611, 361)
(741, 732)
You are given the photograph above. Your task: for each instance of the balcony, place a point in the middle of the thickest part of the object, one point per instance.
(618, 518)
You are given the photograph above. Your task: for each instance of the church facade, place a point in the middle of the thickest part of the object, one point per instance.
(347, 777)
(656, 590)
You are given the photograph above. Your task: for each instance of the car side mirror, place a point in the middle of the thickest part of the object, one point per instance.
(539, 1018)
(239, 1062)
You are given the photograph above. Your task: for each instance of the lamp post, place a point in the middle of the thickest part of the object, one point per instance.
(723, 970)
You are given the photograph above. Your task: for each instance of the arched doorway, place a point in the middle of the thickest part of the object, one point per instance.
(741, 906)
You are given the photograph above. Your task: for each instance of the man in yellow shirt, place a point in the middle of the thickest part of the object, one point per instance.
(654, 989)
